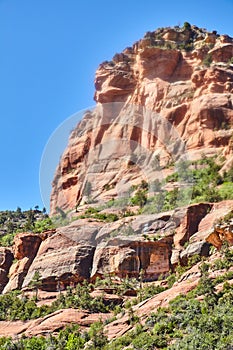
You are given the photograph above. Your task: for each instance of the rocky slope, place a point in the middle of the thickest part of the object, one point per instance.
(88, 248)
(167, 98)
(120, 325)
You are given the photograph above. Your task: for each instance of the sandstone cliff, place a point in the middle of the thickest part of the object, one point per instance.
(168, 97)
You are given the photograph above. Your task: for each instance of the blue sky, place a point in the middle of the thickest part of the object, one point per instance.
(50, 50)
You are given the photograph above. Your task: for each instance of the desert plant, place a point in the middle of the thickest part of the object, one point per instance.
(207, 60)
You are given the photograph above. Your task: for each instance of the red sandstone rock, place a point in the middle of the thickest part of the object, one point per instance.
(25, 248)
(51, 323)
(26, 245)
(61, 258)
(222, 53)
(128, 259)
(17, 274)
(207, 224)
(189, 222)
(6, 258)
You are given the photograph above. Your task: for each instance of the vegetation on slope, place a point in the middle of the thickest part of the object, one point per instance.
(12, 222)
(202, 319)
(192, 181)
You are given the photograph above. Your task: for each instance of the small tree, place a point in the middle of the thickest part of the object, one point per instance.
(36, 283)
(140, 198)
(19, 211)
(186, 25)
(87, 190)
(207, 60)
(30, 220)
(97, 335)
(44, 210)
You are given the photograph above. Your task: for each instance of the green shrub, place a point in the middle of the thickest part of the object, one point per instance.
(13, 307)
(7, 240)
(187, 323)
(226, 190)
(207, 60)
(187, 25)
(149, 291)
(95, 213)
(140, 198)
(43, 225)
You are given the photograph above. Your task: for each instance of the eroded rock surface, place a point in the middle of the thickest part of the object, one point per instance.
(122, 258)
(209, 229)
(25, 248)
(61, 260)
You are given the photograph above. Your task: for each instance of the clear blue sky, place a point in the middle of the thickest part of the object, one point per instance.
(50, 50)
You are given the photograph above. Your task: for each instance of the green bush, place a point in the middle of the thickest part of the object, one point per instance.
(187, 323)
(207, 60)
(43, 225)
(186, 25)
(95, 213)
(7, 240)
(226, 190)
(14, 307)
(140, 198)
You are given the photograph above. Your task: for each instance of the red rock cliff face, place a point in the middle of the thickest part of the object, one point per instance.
(171, 91)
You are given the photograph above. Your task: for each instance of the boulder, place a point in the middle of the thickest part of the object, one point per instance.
(17, 274)
(188, 219)
(206, 227)
(222, 53)
(175, 257)
(219, 235)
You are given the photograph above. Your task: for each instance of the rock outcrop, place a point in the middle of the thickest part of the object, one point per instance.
(51, 323)
(198, 248)
(6, 258)
(25, 249)
(122, 258)
(61, 261)
(210, 230)
(170, 94)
